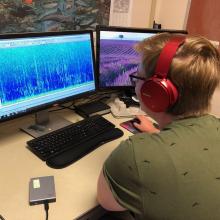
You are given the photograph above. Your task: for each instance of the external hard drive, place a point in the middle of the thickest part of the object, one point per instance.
(42, 190)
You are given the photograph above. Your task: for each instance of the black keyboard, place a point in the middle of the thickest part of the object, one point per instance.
(62, 147)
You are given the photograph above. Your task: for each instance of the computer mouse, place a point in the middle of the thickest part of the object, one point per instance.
(129, 125)
(135, 120)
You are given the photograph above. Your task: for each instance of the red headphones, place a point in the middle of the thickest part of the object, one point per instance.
(158, 93)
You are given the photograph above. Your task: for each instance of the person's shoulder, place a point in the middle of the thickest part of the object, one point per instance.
(123, 151)
(183, 125)
(150, 144)
(213, 119)
(148, 139)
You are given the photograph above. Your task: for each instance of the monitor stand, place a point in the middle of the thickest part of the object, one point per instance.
(44, 124)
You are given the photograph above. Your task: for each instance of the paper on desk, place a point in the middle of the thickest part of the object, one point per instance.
(118, 109)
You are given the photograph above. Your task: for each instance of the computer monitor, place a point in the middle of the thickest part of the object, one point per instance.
(116, 56)
(38, 70)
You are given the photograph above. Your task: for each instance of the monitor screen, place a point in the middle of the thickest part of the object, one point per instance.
(41, 69)
(116, 56)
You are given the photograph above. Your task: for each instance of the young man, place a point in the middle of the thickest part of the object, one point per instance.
(170, 173)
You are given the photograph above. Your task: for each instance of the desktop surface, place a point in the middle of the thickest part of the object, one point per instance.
(75, 185)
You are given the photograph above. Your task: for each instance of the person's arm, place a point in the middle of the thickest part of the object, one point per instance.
(118, 185)
(105, 196)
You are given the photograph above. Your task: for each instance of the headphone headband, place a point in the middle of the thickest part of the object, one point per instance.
(166, 56)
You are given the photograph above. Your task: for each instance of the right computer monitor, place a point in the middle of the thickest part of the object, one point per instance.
(116, 56)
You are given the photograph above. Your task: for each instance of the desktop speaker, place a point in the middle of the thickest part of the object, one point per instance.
(158, 93)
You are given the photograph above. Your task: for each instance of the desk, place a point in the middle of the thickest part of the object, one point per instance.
(75, 185)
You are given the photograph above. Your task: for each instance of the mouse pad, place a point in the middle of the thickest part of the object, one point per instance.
(129, 126)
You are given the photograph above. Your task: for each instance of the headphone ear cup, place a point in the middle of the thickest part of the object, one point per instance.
(173, 92)
(158, 94)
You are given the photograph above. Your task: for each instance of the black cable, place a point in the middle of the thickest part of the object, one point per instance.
(46, 207)
(97, 99)
(62, 107)
(92, 98)
(58, 109)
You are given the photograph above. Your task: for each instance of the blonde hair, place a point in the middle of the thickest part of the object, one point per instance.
(195, 71)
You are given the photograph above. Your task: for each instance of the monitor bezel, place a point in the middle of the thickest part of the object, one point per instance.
(100, 28)
(63, 100)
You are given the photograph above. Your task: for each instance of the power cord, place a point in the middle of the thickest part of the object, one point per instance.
(90, 99)
(63, 107)
(46, 207)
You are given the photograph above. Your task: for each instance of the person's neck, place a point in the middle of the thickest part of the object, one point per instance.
(163, 119)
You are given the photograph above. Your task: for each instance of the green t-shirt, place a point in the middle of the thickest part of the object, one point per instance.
(173, 175)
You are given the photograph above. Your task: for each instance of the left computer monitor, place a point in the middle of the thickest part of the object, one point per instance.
(38, 70)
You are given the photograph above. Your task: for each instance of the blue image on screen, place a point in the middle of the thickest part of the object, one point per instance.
(31, 71)
(39, 71)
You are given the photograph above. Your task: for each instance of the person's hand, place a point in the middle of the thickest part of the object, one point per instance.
(145, 124)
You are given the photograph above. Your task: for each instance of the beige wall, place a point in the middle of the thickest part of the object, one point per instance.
(215, 110)
(172, 14)
(141, 13)
(204, 19)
